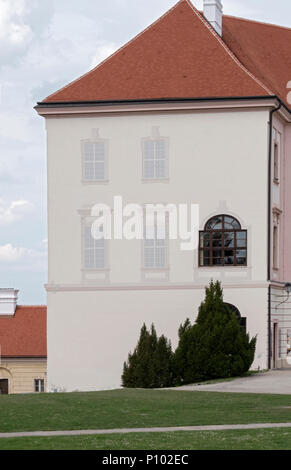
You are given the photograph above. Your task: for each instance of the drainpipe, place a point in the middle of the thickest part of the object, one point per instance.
(269, 229)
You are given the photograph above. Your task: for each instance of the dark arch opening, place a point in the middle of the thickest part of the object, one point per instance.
(242, 320)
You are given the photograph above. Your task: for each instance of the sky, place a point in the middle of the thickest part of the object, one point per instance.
(44, 44)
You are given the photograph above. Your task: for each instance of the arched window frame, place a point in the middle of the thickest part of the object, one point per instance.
(210, 244)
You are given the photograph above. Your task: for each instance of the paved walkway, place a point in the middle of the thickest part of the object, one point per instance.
(224, 427)
(273, 382)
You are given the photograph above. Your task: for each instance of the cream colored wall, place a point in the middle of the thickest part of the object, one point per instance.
(91, 333)
(22, 372)
(218, 160)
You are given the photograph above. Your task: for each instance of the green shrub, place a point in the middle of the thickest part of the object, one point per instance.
(216, 346)
(151, 363)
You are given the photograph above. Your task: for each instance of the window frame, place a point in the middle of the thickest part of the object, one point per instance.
(155, 240)
(39, 386)
(276, 247)
(85, 227)
(105, 163)
(155, 178)
(276, 163)
(211, 249)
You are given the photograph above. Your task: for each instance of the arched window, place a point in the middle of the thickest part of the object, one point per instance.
(242, 321)
(223, 243)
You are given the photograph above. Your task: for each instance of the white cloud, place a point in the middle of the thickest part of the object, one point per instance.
(19, 21)
(13, 29)
(14, 211)
(103, 51)
(9, 253)
(22, 259)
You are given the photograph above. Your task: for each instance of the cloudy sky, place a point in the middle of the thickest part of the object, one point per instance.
(43, 45)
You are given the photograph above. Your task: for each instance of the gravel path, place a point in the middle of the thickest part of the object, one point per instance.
(225, 427)
(272, 382)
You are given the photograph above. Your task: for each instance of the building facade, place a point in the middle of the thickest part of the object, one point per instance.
(23, 357)
(161, 122)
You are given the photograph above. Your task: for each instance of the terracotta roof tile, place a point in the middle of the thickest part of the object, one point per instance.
(24, 334)
(179, 56)
(263, 48)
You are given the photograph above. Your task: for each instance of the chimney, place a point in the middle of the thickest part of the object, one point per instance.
(212, 10)
(8, 302)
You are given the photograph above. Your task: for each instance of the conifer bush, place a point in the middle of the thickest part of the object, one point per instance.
(216, 346)
(151, 363)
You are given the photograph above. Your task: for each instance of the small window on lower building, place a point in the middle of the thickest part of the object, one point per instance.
(39, 385)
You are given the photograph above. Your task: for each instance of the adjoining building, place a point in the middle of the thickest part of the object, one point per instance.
(195, 109)
(23, 351)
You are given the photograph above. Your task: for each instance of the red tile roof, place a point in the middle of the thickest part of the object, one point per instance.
(24, 334)
(265, 50)
(178, 56)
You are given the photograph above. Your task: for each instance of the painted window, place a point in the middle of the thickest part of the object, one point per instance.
(155, 248)
(39, 385)
(155, 159)
(94, 250)
(94, 161)
(276, 162)
(223, 243)
(275, 247)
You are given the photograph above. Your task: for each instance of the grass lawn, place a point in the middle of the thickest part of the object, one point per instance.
(138, 408)
(268, 439)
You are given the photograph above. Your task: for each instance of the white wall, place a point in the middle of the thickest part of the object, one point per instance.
(218, 160)
(91, 333)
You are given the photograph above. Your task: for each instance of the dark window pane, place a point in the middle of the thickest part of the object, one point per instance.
(217, 261)
(204, 240)
(217, 257)
(243, 323)
(241, 257)
(241, 239)
(229, 257)
(204, 258)
(217, 240)
(217, 253)
(229, 239)
(214, 224)
(231, 223)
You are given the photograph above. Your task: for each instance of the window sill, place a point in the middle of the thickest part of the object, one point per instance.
(229, 266)
(95, 270)
(93, 182)
(155, 180)
(156, 270)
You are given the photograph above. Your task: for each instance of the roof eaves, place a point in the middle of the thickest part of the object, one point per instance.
(43, 104)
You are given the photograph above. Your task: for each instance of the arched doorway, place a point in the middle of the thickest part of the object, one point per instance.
(242, 320)
(5, 381)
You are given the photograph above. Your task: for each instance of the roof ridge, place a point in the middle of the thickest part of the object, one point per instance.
(273, 25)
(118, 50)
(227, 49)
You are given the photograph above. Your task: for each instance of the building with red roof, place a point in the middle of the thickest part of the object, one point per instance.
(196, 109)
(23, 345)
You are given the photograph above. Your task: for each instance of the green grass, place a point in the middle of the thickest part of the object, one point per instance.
(267, 439)
(138, 408)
